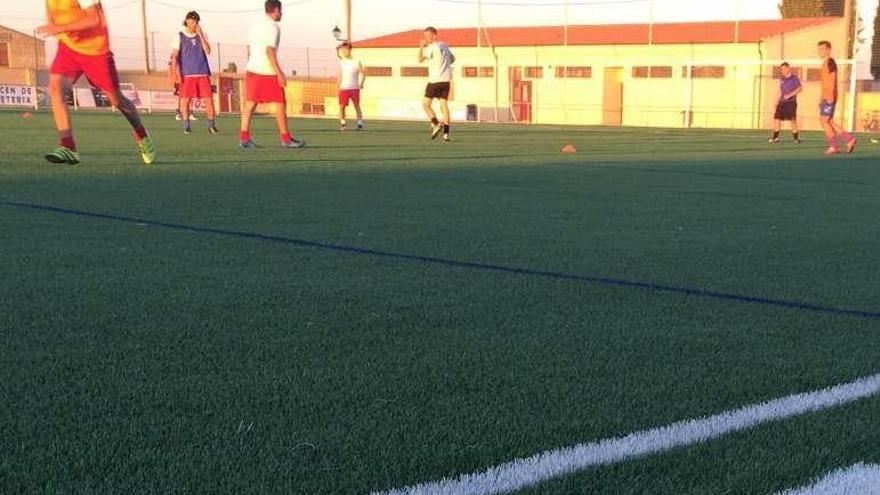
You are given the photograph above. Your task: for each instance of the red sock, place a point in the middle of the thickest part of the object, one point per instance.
(244, 136)
(68, 142)
(140, 133)
(847, 137)
(286, 138)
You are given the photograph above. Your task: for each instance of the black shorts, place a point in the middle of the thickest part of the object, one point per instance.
(786, 110)
(438, 90)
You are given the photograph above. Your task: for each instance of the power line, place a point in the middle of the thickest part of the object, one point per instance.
(112, 7)
(43, 19)
(161, 3)
(557, 3)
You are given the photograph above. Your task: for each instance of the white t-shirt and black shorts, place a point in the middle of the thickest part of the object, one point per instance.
(261, 80)
(350, 82)
(440, 60)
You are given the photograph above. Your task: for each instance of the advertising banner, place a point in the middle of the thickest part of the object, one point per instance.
(17, 96)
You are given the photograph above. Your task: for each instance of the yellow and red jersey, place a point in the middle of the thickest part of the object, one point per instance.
(94, 41)
(829, 81)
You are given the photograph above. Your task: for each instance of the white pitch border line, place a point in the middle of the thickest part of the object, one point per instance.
(523, 473)
(860, 479)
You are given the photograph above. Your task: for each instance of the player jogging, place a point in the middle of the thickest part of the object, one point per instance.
(829, 102)
(786, 110)
(440, 60)
(351, 82)
(189, 65)
(84, 48)
(265, 80)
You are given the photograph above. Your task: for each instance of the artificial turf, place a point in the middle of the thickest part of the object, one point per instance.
(221, 329)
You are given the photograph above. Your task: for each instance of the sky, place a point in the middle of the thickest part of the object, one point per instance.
(309, 22)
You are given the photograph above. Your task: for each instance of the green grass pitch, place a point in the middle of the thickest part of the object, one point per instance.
(164, 349)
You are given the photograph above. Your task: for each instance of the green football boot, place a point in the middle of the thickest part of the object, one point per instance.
(148, 150)
(63, 156)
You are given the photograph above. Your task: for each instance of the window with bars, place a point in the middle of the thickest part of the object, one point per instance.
(413, 72)
(478, 71)
(533, 72)
(378, 71)
(777, 72)
(704, 72)
(579, 72)
(661, 72)
(653, 72)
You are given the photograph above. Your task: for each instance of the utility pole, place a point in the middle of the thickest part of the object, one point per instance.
(36, 70)
(348, 35)
(479, 23)
(144, 32)
(153, 48)
(736, 25)
(850, 15)
(565, 33)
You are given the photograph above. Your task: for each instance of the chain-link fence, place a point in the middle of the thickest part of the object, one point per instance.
(144, 74)
(675, 63)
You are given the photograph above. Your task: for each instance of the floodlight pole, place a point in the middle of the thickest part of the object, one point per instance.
(650, 22)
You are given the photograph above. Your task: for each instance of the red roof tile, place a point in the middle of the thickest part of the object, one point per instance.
(606, 34)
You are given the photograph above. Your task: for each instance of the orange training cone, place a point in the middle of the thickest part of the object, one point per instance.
(569, 149)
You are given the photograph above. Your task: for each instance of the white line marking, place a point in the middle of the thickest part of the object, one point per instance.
(522, 473)
(860, 479)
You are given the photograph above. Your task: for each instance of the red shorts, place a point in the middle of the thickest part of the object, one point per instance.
(263, 89)
(196, 87)
(349, 95)
(100, 70)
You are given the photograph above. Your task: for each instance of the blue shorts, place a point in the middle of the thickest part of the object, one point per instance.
(826, 108)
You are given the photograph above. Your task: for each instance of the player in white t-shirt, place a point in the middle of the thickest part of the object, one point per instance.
(351, 81)
(440, 60)
(265, 81)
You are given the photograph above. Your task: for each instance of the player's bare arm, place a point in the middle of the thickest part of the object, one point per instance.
(793, 93)
(362, 74)
(174, 73)
(91, 20)
(206, 45)
(273, 59)
(422, 45)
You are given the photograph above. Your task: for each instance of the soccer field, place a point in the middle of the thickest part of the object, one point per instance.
(380, 312)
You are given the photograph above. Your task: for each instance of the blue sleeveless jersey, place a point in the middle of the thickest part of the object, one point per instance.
(192, 58)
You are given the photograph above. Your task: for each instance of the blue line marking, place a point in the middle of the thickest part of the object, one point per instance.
(490, 267)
